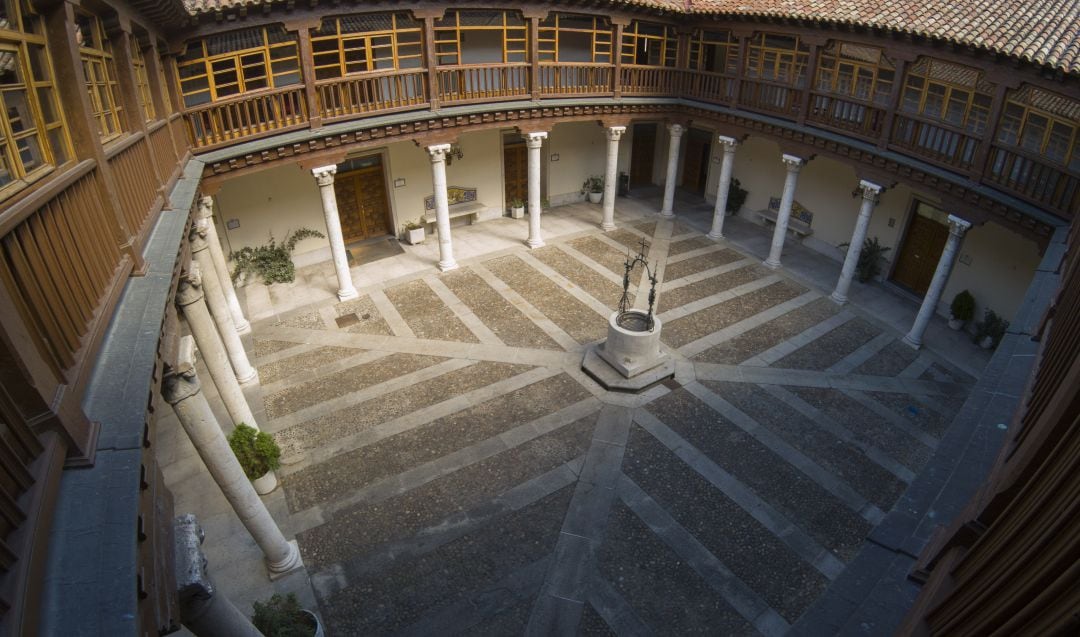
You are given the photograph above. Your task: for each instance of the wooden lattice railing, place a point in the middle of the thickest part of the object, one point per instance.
(372, 93)
(246, 116)
(483, 83)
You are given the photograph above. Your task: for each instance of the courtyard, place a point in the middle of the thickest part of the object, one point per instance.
(448, 468)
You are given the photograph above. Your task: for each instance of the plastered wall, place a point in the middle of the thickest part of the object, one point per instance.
(582, 151)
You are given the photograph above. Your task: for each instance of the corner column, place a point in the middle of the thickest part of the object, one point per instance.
(534, 141)
(676, 133)
(324, 177)
(726, 165)
(206, 211)
(442, 205)
(614, 134)
(957, 228)
(181, 389)
(870, 192)
(793, 164)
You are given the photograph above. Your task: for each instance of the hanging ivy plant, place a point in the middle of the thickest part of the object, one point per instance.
(273, 261)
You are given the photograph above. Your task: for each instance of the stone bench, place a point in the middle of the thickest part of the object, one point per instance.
(463, 203)
(799, 222)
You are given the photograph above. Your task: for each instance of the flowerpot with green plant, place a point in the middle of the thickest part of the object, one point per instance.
(282, 616)
(517, 208)
(962, 310)
(593, 188)
(736, 197)
(273, 261)
(869, 264)
(412, 232)
(259, 456)
(990, 330)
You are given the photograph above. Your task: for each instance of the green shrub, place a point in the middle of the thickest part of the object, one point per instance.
(593, 184)
(963, 306)
(273, 261)
(869, 265)
(992, 325)
(736, 197)
(256, 451)
(281, 616)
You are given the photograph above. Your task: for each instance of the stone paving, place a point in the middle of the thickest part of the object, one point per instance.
(450, 469)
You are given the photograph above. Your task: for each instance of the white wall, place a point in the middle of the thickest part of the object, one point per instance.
(582, 151)
(997, 266)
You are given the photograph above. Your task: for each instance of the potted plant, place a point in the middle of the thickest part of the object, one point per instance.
(259, 456)
(593, 188)
(517, 208)
(962, 310)
(736, 197)
(990, 330)
(869, 264)
(413, 232)
(282, 616)
(273, 261)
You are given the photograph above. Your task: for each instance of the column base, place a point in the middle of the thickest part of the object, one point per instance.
(292, 562)
(667, 214)
(445, 266)
(715, 237)
(607, 227)
(346, 295)
(911, 342)
(838, 298)
(535, 243)
(772, 265)
(250, 379)
(242, 328)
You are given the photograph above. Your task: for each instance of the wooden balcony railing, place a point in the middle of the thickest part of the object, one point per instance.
(486, 83)
(1034, 179)
(247, 116)
(770, 97)
(135, 180)
(360, 95)
(849, 116)
(161, 146)
(709, 87)
(936, 142)
(178, 130)
(557, 80)
(649, 80)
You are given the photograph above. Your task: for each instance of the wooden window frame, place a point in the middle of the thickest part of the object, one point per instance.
(601, 38)
(52, 137)
(702, 39)
(99, 70)
(797, 58)
(668, 43)
(447, 36)
(830, 61)
(1022, 99)
(367, 40)
(264, 57)
(981, 113)
(142, 81)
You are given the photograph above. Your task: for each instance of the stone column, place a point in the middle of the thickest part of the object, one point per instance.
(442, 205)
(534, 141)
(793, 165)
(870, 192)
(219, 308)
(324, 176)
(675, 131)
(614, 134)
(957, 228)
(181, 389)
(726, 165)
(206, 211)
(190, 300)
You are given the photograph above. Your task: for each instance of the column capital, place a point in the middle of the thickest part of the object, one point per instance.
(206, 207)
(189, 289)
(869, 189)
(729, 143)
(438, 152)
(615, 133)
(324, 175)
(958, 226)
(676, 130)
(535, 140)
(792, 162)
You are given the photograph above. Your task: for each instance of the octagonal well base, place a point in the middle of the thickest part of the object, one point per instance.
(612, 380)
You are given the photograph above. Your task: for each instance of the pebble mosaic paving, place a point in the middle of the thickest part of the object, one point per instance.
(450, 469)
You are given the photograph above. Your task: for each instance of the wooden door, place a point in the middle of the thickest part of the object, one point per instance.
(919, 253)
(696, 163)
(516, 172)
(362, 204)
(642, 151)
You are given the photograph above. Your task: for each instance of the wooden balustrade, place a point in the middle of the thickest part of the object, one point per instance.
(649, 80)
(362, 95)
(936, 142)
(849, 116)
(161, 145)
(709, 87)
(247, 116)
(557, 80)
(486, 83)
(181, 143)
(771, 97)
(136, 182)
(1034, 179)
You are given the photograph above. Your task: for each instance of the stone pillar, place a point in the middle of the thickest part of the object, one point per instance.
(442, 205)
(534, 141)
(190, 300)
(793, 165)
(614, 134)
(957, 228)
(181, 389)
(219, 308)
(206, 211)
(726, 165)
(204, 610)
(870, 192)
(324, 176)
(675, 131)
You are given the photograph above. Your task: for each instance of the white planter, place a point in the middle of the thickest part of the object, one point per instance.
(596, 197)
(987, 342)
(414, 236)
(266, 484)
(517, 212)
(318, 624)
(956, 324)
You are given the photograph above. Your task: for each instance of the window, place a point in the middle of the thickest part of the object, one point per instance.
(951, 93)
(95, 51)
(649, 44)
(856, 71)
(481, 37)
(369, 42)
(714, 52)
(574, 38)
(777, 58)
(238, 62)
(1043, 124)
(32, 132)
(142, 80)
